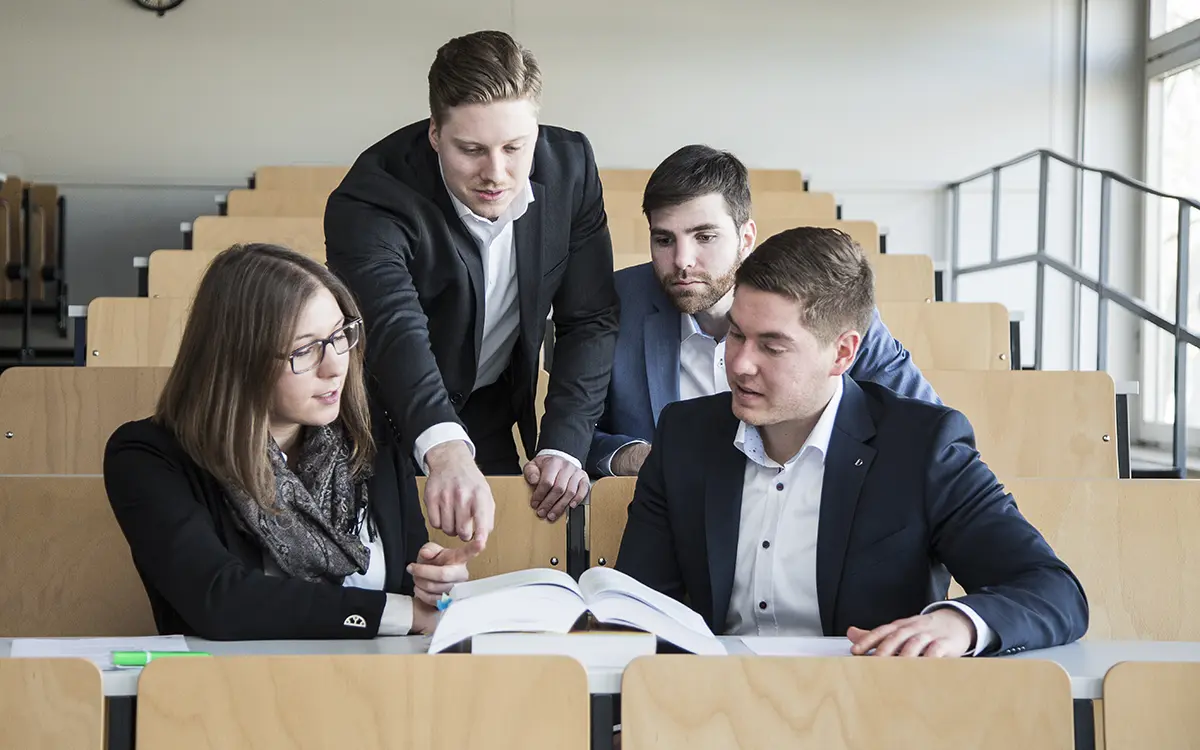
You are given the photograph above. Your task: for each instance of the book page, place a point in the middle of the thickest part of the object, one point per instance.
(623, 610)
(797, 646)
(536, 608)
(599, 584)
(531, 577)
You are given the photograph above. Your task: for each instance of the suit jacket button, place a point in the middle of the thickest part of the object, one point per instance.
(456, 398)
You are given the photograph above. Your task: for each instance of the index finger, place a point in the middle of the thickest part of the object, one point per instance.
(873, 638)
(458, 555)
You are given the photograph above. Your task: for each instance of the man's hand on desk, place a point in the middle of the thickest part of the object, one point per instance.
(557, 483)
(457, 495)
(942, 632)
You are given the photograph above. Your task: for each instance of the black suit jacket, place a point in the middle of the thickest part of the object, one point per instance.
(204, 577)
(392, 234)
(905, 497)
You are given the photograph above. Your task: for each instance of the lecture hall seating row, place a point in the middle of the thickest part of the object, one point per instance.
(30, 212)
(1149, 523)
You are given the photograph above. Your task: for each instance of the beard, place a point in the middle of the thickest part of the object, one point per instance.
(693, 300)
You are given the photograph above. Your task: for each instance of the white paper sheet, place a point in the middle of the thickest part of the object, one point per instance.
(797, 646)
(97, 650)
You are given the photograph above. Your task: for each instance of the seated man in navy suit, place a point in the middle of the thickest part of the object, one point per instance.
(671, 342)
(807, 503)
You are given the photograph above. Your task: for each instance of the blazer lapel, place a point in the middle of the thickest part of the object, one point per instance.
(527, 244)
(725, 471)
(846, 467)
(661, 330)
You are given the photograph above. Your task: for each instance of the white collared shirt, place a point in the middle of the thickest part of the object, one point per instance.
(775, 572)
(501, 311)
(701, 361)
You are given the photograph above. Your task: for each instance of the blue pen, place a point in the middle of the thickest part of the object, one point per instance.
(444, 602)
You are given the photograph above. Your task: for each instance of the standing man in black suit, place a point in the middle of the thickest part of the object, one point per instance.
(458, 235)
(806, 503)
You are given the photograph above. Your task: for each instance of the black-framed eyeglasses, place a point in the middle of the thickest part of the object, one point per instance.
(312, 354)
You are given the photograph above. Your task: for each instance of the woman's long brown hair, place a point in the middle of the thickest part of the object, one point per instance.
(217, 397)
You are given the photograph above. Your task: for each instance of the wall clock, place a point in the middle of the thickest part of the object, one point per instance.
(159, 6)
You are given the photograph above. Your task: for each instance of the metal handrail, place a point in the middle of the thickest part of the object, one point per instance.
(1105, 293)
(1117, 176)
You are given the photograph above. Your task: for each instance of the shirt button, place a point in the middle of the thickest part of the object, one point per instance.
(766, 544)
(762, 605)
(779, 486)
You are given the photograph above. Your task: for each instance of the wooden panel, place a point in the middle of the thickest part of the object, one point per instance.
(608, 511)
(135, 332)
(365, 702)
(865, 233)
(302, 234)
(625, 180)
(1037, 424)
(177, 273)
(761, 180)
(519, 540)
(1132, 543)
(57, 420)
(51, 704)
(903, 278)
(760, 703)
(950, 335)
(631, 234)
(790, 205)
(276, 203)
(65, 567)
(1151, 705)
(321, 179)
(12, 234)
(43, 237)
(775, 180)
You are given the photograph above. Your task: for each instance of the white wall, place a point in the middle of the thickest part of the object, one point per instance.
(878, 100)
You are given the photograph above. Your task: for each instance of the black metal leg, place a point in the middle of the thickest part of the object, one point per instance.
(602, 722)
(80, 342)
(883, 244)
(1123, 469)
(939, 294)
(122, 714)
(1014, 343)
(577, 548)
(143, 276)
(187, 240)
(1085, 725)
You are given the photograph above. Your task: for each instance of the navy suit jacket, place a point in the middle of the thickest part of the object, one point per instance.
(905, 498)
(645, 371)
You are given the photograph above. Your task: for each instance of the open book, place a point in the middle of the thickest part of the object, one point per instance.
(544, 600)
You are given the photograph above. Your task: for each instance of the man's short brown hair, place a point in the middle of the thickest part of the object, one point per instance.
(480, 68)
(824, 270)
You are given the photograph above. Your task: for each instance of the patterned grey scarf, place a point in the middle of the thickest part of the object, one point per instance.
(312, 533)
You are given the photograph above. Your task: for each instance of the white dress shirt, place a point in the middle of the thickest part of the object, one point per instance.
(701, 361)
(501, 313)
(775, 573)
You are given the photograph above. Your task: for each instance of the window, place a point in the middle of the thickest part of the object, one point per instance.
(1169, 15)
(1174, 140)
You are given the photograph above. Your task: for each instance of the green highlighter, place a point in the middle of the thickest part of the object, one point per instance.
(142, 658)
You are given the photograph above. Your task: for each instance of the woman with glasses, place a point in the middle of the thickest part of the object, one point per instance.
(262, 501)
